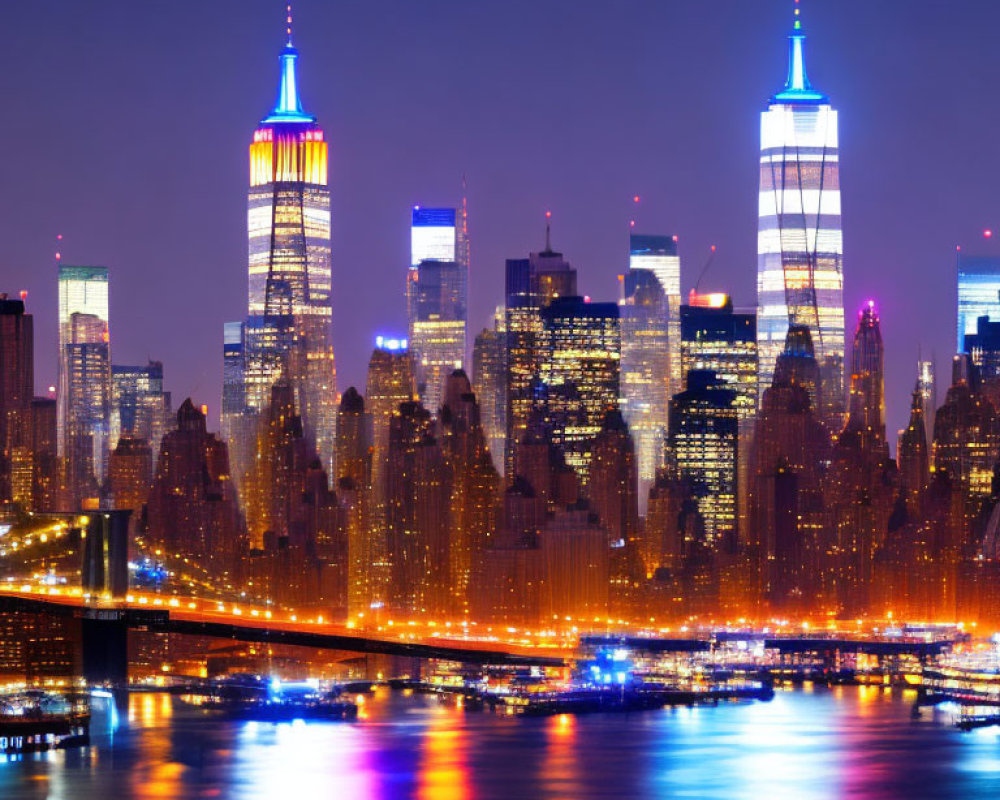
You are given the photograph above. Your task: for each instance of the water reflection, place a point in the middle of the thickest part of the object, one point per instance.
(847, 742)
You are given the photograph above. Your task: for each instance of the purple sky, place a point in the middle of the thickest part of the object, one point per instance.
(126, 128)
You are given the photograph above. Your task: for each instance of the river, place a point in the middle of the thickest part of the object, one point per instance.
(805, 744)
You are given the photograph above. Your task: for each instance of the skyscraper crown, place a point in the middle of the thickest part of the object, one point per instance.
(289, 106)
(797, 87)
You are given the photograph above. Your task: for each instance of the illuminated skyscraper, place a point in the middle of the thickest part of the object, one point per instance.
(867, 407)
(140, 409)
(488, 381)
(288, 332)
(659, 255)
(354, 483)
(703, 448)
(390, 383)
(84, 397)
(17, 378)
(580, 374)
(714, 337)
(799, 242)
(645, 371)
(912, 455)
(530, 285)
(928, 391)
(978, 293)
(437, 304)
(437, 298)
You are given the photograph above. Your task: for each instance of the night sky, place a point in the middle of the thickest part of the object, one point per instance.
(126, 126)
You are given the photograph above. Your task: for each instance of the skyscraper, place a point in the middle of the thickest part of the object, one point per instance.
(867, 407)
(714, 337)
(580, 372)
(659, 255)
(978, 293)
(799, 242)
(84, 396)
(437, 306)
(530, 285)
(645, 371)
(704, 446)
(928, 391)
(390, 383)
(140, 409)
(17, 379)
(488, 382)
(288, 331)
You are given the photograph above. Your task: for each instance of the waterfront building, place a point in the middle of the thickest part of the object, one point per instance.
(799, 241)
(703, 448)
(488, 382)
(978, 279)
(574, 553)
(17, 388)
(84, 393)
(140, 409)
(579, 372)
(530, 285)
(288, 330)
(437, 308)
(645, 371)
(659, 255)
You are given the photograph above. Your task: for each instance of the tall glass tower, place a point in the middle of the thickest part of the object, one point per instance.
(84, 398)
(288, 331)
(799, 243)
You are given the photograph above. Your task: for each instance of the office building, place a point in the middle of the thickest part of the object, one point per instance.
(799, 243)
(84, 395)
(978, 279)
(659, 255)
(645, 371)
(288, 330)
(580, 375)
(17, 379)
(140, 408)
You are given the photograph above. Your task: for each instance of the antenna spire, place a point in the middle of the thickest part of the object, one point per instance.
(288, 21)
(548, 231)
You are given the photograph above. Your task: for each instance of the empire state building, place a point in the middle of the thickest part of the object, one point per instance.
(287, 333)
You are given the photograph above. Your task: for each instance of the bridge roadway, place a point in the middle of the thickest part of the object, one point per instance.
(250, 625)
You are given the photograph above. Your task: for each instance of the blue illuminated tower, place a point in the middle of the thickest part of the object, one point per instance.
(288, 330)
(799, 243)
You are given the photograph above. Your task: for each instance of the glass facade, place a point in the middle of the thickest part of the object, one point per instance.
(645, 371)
(799, 241)
(704, 447)
(580, 372)
(659, 255)
(437, 305)
(978, 294)
(140, 409)
(433, 235)
(84, 395)
(288, 331)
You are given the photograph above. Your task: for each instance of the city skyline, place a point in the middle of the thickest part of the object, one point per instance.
(743, 62)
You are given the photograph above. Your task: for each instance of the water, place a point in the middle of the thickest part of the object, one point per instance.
(844, 742)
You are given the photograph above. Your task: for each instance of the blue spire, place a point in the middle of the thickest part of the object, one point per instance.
(289, 107)
(797, 87)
